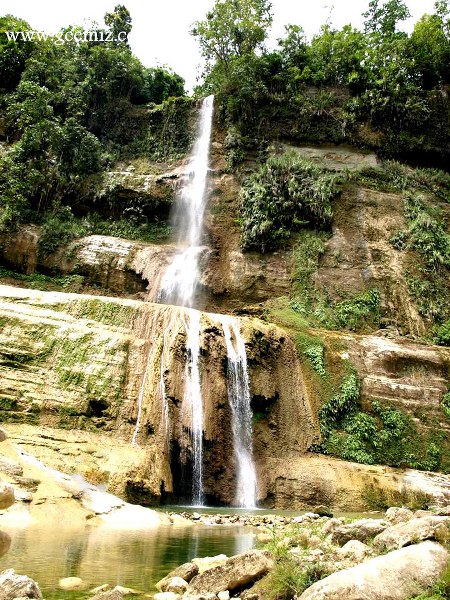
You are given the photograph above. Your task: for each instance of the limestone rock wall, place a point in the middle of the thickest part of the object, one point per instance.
(80, 362)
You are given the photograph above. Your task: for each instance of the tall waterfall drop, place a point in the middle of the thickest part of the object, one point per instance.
(181, 278)
(241, 413)
(178, 286)
(193, 402)
(179, 283)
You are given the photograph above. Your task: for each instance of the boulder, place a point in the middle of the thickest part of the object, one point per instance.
(111, 595)
(186, 571)
(177, 585)
(323, 511)
(6, 496)
(17, 586)
(358, 530)
(332, 524)
(126, 591)
(5, 543)
(100, 588)
(3, 435)
(354, 550)
(443, 511)
(399, 575)
(237, 572)
(396, 515)
(224, 595)
(416, 530)
(167, 596)
(188, 596)
(10, 467)
(209, 562)
(70, 583)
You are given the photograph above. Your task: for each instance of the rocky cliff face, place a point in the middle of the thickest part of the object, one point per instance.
(73, 367)
(81, 362)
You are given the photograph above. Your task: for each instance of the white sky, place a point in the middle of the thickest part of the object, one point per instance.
(161, 27)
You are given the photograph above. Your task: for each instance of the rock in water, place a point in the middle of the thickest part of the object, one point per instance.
(70, 583)
(399, 575)
(238, 571)
(111, 595)
(416, 530)
(6, 496)
(5, 543)
(17, 586)
(186, 572)
(177, 585)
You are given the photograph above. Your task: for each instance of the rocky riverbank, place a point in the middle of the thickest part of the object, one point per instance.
(315, 557)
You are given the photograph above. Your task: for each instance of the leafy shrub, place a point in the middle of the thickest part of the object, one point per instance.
(442, 334)
(285, 195)
(356, 312)
(382, 435)
(445, 405)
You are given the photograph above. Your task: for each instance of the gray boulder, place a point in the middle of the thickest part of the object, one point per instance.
(111, 595)
(237, 572)
(358, 530)
(3, 435)
(396, 515)
(354, 550)
(177, 585)
(416, 530)
(399, 575)
(186, 571)
(6, 496)
(17, 586)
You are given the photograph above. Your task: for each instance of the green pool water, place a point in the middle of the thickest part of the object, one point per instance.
(136, 559)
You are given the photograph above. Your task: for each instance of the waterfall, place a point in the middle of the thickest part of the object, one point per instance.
(241, 413)
(194, 404)
(179, 282)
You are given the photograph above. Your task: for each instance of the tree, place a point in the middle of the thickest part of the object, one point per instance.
(13, 53)
(293, 46)
(159, 84)
(232, 29)
(119, 23)
(384, 19)
(430, 50)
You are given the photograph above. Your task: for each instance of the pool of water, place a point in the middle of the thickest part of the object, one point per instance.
(136, 559)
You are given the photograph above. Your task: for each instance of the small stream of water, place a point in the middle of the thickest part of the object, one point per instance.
(241, 413)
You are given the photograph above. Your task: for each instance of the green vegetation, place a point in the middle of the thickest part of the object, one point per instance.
(290, 577)
(380, 498)
(381, 78)
(286, 194)
(71, 109)
(440, 591)
(428, 275)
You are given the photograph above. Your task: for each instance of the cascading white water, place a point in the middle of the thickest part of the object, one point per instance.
(179, 282)
(193, 402)
(241, 413)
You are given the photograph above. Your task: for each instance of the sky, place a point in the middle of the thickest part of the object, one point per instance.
(160, 32)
